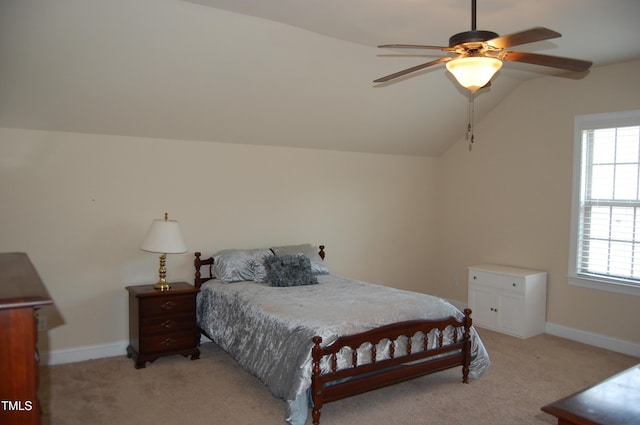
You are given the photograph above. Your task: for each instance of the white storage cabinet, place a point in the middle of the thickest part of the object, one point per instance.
(508, 299)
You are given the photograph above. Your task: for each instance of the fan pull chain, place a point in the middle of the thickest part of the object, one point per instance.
(470, 136)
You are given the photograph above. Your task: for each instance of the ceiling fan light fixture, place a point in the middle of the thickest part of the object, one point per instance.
(474, 72)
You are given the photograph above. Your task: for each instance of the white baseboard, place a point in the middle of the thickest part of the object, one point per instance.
(78, 354)
(88, 352)
(597, 340)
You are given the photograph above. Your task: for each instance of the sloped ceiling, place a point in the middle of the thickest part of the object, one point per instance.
(278, 72)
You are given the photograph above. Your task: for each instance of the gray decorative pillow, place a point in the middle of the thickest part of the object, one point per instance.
(236, 265)
(289, 270)
(317, 263)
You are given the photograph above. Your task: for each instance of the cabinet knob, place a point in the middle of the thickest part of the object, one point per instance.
(514, 284)
(168, 305)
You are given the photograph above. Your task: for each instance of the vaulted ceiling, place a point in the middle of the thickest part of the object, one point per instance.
(278, 72)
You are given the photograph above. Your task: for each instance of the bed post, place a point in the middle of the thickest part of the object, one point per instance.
(316, 384)
(321, 252)
(467, 345)
(197, 263)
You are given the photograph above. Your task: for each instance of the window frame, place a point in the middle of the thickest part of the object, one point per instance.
(581, 123)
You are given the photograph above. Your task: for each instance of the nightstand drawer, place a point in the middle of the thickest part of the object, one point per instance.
(155, 306)
(174, 341)
(167, 324)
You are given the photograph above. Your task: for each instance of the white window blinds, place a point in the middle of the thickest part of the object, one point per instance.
(610, 242)
(607, 226)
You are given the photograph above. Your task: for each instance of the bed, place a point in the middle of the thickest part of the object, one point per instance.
(322, 337)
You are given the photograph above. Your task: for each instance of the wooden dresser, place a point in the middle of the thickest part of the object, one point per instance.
(21, 293)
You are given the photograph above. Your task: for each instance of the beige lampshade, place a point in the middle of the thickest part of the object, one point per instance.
(474, 72)
(164, 237)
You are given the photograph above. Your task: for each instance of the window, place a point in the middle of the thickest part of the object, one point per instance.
(605, 224)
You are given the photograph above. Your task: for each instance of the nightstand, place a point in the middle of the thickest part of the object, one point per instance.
(162, 323)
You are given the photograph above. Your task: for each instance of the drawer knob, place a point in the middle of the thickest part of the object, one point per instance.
(168, 342)
(168, 305)
(167, 324)
(514, 284)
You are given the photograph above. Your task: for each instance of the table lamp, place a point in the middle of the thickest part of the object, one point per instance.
(163, 237)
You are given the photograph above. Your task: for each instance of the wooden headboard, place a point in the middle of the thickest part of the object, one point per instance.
(199, 262)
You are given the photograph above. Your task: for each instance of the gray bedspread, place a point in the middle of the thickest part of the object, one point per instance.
(268, 330)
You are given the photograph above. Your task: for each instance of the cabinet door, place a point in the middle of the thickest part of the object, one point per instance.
(510, 313)
(482, 303)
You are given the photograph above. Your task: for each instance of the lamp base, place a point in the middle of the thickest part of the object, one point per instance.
(162, 286)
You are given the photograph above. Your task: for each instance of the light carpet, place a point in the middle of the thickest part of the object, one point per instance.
(525, 374)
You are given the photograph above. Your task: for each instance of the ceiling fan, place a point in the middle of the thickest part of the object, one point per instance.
(479, 54)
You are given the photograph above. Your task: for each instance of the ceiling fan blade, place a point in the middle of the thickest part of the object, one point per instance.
(523, 37)
(412, 46)
(568, 64)
(412, 69)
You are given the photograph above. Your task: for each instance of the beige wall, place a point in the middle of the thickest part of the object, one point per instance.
(508, 201)
(80, 205)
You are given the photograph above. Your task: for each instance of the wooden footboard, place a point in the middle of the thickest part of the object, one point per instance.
(337, 383)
